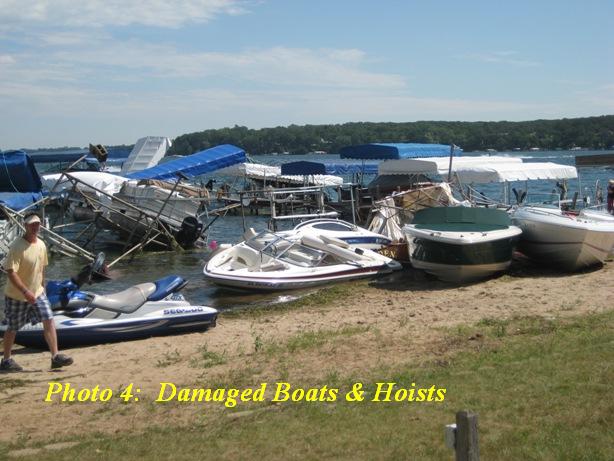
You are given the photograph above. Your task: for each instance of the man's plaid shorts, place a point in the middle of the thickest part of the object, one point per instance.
(18, 313)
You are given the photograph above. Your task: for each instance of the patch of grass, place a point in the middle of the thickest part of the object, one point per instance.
(207, 358)
(320, 298)
(169, 358)
(540, 392)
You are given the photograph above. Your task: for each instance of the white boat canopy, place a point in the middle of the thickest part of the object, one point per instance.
(273, 173)
(481, 169)
(508, 172)
(437, 165)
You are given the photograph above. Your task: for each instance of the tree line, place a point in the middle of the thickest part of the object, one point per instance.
(587, 132)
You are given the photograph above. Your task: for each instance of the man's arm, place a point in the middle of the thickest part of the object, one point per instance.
(16, 281)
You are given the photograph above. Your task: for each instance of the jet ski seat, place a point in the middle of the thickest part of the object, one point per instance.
(125, 301)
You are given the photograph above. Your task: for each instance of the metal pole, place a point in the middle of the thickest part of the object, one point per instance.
(450, 165)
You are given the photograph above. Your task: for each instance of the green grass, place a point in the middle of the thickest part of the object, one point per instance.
(206, 358)
(542, 389)
(318, 299)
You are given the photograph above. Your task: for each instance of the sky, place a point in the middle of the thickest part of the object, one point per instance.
(112, 71)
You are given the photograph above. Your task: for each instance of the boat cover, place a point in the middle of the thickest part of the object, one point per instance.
(396, 151)
(106, 182)
(17, 173)
(193, 165)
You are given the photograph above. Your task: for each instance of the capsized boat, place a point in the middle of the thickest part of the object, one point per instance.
(141, 311)
(269, 261)
(564, 240)
(461, 244)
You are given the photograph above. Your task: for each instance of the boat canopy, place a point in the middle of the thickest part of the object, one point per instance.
(438, 165)
(482, 169)
(18, 173)
(396, 151)
(20, 184)
(146, 153)
(350, 168)
(193, 165)
(507, 172)
(271, 173)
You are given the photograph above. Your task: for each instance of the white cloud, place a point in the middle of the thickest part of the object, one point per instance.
(97, 13)
(501, 57)
(6, 59)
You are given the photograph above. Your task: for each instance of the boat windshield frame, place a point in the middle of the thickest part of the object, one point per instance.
(286, 250)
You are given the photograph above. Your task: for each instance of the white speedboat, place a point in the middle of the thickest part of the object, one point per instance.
(565, 240)
(460, 244)
(343, 230)
(269, 261)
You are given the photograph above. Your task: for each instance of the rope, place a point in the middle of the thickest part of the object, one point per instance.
(8, 175)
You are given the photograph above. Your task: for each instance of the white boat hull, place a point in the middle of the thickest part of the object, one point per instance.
(458, 273)
(566, 242)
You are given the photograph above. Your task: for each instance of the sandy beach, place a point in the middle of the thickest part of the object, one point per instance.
(395, 320)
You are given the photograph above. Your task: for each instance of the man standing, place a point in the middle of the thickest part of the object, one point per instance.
(25, 297)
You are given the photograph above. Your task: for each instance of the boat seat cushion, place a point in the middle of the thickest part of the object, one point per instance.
(125, 301)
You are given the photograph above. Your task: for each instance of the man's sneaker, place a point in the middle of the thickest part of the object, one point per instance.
(60, 360)
(9, 365)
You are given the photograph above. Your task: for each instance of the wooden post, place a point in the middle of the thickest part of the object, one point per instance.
(467, 448)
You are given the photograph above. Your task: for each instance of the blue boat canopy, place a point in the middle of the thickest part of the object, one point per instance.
(303, 168)
(20, 184)
(341, 169)
(193, 165)
(18, 173)
(397, 151)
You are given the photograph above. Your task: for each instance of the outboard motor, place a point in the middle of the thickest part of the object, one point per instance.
(191, 229)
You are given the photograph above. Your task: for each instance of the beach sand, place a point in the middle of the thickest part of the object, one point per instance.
(403, 318)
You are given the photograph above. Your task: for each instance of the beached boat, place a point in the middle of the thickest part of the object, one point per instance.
(461, 244)
(141, 311)
(268, 261)
(564, 240)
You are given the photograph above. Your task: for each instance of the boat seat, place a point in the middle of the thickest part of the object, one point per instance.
(125, 301)
(243, 257)
(270, 266)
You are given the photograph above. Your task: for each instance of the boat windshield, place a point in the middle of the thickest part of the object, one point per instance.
(283, 249)
(543, 200)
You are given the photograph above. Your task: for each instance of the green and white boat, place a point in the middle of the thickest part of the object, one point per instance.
(461, 244)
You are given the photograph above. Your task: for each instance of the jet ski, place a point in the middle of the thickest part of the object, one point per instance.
(141, 311)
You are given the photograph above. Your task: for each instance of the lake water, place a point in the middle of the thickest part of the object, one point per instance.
(149, 266)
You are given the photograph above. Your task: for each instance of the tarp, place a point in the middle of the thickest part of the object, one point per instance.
(342, 169)
(303, 168)
(17, 173)
(19, 200)
(396, 151)
(196, 164)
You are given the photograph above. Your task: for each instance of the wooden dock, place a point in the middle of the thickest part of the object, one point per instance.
(595, 160)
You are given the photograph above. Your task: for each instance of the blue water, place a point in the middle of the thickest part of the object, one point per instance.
(149, 266)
